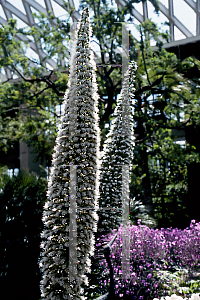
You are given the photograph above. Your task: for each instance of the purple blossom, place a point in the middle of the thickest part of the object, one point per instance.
(154, 250)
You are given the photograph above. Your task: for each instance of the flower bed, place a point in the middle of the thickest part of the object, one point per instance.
(158, 259)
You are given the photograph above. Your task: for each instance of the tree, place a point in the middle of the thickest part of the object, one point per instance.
(27, 113)
(77, 144)
(25, 104)
(166, 104)
(107, 30)
(158, 83)
(153, 119)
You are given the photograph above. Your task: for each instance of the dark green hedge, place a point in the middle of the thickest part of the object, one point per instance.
(21, 203)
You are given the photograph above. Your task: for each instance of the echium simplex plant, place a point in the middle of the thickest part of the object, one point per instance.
(118, 151)
(77, 143)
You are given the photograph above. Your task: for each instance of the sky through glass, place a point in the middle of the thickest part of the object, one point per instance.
(182, 12)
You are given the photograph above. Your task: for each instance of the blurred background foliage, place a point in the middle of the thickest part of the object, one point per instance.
(21, 203)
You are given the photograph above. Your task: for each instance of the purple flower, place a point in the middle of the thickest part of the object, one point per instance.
(149, 275)
(141, 267)
(148, 265)
(171, 246)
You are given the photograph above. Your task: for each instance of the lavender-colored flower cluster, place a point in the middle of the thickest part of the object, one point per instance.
(183, 246)
(153, 250)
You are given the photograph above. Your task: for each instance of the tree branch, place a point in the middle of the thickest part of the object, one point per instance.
(40, 92)
(142, 48)
(6, 81)
(47, 80)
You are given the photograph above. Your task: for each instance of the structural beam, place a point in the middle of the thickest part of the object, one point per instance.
(198, 17)
(10, 10)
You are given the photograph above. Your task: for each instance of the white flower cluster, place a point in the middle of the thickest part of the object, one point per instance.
(77, 143)
(176, 297)
(117, 152)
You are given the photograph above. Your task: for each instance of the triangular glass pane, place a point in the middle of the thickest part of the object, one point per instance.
(159, 19)
(165, 3)
(59, 11)
(138, 7)
(178, 35)
(2, 13)
(18, 4)
(186, 15)
(134, 30)
(76, 4)
(41, 2)
(20, 23)
(32, 54)
(49, 67)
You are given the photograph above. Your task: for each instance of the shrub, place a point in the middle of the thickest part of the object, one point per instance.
(21, 202)
(153, 251)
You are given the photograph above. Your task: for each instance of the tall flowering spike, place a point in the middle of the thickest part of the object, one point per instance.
(118, 151)
(77, 144)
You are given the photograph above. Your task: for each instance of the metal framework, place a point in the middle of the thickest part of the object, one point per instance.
(11, 10)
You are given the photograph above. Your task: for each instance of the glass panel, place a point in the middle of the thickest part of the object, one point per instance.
(59, 11)
(158, 19)
(186, 15)
(165, 3)
(41, 2)
(2, 13)
(178, 34)
(138, 7)
(20, 23)
(18, 4)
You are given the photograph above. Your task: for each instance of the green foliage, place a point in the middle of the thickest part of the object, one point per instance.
(139, 212)
(50, 33)
(165, 88)
(21, 203)
(27, 110)
(180, 282)
(3, 176)
(166, 104)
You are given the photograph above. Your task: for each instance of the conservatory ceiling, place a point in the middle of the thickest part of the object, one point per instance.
(183, 17)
